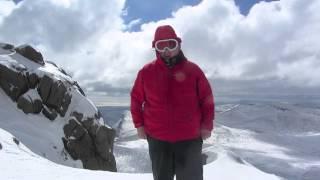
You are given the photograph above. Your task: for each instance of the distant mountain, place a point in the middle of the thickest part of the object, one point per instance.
(44, 108)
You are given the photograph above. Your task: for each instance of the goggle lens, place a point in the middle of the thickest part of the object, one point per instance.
(170, 44)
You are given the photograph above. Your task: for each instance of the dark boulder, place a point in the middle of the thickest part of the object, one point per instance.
(83, 148)
(77, 115)
(13, 81)
(91, 126)
(51, 114)
(29, 105)
(90, 142)
(78, 141)
(30, 53)
(75, 129)
(57, 91)
(95, 163)
(16, 141)
(6, 46)
(72, 153)
(66, 100)
(33, 80)
(54, 93)
(0, 146)
(44, 87)
(104, 141)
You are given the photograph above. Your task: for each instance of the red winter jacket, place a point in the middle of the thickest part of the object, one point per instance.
(172, 104)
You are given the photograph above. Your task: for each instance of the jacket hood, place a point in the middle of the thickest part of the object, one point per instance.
(165, 32)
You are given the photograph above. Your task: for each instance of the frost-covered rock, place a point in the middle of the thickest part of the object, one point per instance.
(45, 89)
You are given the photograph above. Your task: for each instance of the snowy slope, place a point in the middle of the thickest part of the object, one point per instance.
(34, 130)
(18, 162)
(277, 138)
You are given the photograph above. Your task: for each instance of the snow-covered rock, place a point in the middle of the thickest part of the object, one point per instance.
(35, 86)
(30, 53)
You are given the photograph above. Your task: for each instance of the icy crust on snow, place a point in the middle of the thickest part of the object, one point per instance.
(18, 162)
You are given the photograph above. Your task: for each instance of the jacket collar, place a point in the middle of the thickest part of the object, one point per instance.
(180, 59)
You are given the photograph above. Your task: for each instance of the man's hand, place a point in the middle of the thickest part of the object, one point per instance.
(205, 134)
(141, 133)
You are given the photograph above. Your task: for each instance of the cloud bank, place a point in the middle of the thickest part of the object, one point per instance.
(276, 46)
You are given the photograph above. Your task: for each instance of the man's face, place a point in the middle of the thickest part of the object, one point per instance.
(167, 54)
(167, 48)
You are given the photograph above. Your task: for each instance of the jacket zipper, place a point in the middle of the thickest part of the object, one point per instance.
(170, 105)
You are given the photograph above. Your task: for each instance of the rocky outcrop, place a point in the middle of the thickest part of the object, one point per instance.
(29, 104)
(90, 142)
(49, 113)
(13, 81)
(54, 94)
(30, 53)
(32, 79)
(6, 46)
(85, 137)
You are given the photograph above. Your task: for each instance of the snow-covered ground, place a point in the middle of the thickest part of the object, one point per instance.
(256, 140)
(276, 138)
(18, 162)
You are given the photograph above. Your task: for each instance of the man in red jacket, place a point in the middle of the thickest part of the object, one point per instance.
(172, 107)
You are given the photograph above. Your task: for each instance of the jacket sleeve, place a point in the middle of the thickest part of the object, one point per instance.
(137, 100)
(206, 102)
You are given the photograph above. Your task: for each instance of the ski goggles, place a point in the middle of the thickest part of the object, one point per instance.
(166, 44)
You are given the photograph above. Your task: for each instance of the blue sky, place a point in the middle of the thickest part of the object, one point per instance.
(154, 10)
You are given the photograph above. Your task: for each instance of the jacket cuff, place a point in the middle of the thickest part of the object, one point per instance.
(208, 127)
(138, 125)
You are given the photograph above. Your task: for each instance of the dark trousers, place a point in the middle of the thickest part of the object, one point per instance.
(182, 159)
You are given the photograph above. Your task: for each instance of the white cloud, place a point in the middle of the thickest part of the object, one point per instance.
(6, 7)
(276, 40)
